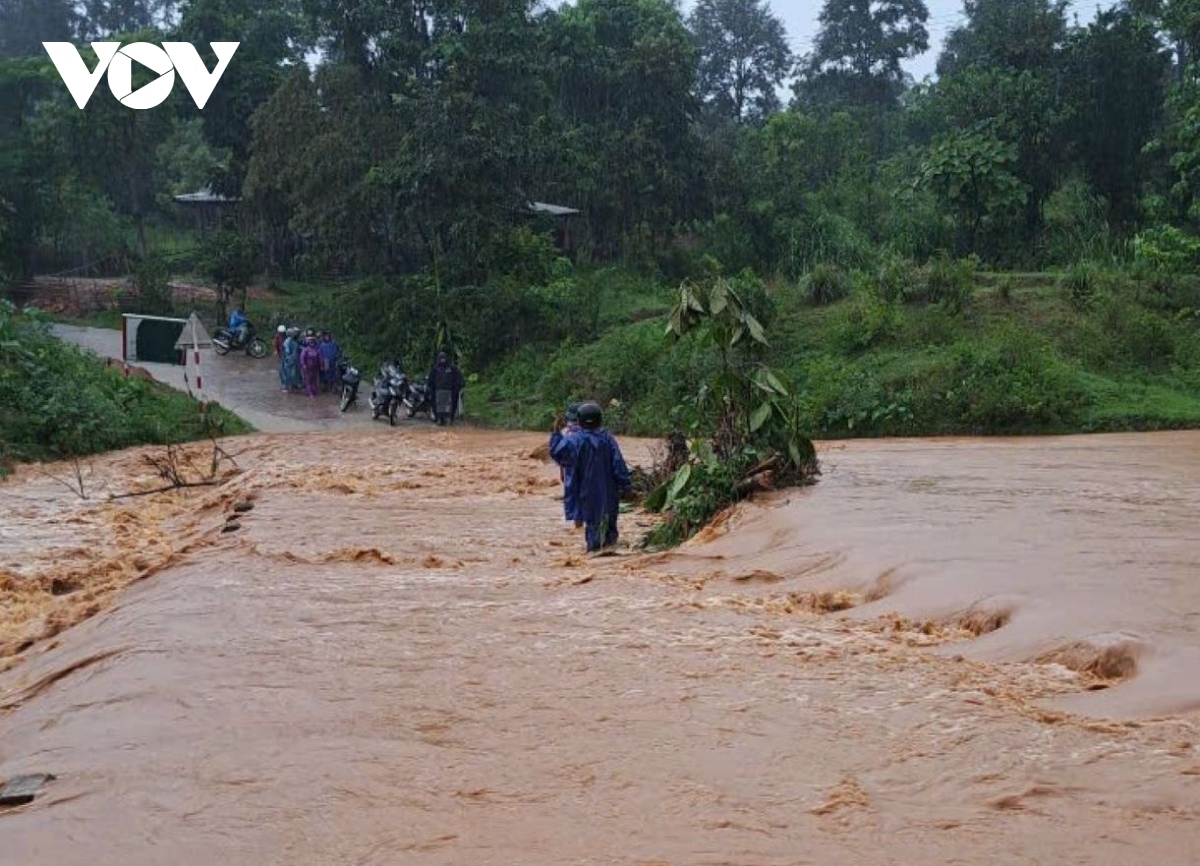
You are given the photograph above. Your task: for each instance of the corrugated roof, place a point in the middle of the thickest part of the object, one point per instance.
(205, 196)
(551, 209)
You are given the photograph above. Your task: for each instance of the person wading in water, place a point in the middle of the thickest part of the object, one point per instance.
(599, 476)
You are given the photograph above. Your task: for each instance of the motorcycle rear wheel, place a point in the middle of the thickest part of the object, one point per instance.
(258, 348)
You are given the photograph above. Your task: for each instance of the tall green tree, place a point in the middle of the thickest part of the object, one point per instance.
(744, 57)
(114, 148)
(26, 24)
(273, 40)
(466, 161)
(24, 185)
(622, 74)
(973, 173)
(1118, 72)
(1023, 109)
(858, 51)
(1006, 34)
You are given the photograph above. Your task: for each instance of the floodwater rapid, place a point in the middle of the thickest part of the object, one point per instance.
(944, 652)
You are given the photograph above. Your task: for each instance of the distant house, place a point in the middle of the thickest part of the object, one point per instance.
(207, 207)
(564, 219)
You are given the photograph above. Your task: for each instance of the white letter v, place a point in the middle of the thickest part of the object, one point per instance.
(196, 77)
(74, 71)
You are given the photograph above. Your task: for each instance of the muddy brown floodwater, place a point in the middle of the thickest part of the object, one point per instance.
(946, 652)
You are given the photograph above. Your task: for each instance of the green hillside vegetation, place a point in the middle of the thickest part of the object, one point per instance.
(57, 401)
(1010, 245)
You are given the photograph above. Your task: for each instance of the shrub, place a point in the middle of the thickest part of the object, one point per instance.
(1012, 382)
(1075, 224)
(152, 282)
(897, 279)
(1166, 248)
(866, 405)
(865, 322)
(948, 282)
(821, 237)
(1079, 285)
(826, 284)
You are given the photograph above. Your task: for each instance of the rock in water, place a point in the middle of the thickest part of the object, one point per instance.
(22, 789)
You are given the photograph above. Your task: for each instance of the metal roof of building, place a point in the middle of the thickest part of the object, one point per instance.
(551, 209)
(205, 196)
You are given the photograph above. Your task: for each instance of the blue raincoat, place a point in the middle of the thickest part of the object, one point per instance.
(598, 477)
(291, 362)
(570, 495)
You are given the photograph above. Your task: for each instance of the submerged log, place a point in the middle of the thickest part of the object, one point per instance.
(759, 481)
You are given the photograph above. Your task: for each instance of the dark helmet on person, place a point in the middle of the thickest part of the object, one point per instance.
(590, 415)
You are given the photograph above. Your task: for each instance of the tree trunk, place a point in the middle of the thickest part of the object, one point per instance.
(139, 221)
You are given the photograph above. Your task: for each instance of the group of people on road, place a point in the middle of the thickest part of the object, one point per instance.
(308, 361)
(594, 475)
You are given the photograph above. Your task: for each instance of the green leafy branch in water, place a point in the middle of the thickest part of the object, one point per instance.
(744, 424)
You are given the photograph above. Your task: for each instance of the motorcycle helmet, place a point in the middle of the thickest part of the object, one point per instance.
(281, 329)
(590, 415)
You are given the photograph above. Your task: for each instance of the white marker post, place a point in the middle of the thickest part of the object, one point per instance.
(191, 344)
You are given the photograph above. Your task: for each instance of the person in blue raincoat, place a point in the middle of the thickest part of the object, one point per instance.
(570, 497)
(291, 360)
(599, 476)
(239, 325)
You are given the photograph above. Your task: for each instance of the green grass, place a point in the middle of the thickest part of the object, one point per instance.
(102, 319)
(1133, 405)
(57, 401)
(1022, 361)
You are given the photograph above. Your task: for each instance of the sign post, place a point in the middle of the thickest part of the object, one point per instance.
(191, 341)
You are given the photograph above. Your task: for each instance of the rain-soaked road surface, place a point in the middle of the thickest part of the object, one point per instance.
(402, 657)
(243, 384)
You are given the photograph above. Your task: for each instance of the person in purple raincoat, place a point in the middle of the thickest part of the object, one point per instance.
(310, 366)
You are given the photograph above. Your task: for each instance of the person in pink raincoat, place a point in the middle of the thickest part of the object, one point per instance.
(310, 366)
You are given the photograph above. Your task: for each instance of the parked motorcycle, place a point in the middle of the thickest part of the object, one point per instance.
(349, 377)
(391, 388)
(419, 400)
(224, 340)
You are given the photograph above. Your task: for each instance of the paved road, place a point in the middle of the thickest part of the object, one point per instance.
(242, 384)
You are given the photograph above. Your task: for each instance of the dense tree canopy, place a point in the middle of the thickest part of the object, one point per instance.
(406, 139)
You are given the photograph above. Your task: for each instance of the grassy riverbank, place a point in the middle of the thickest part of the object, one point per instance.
(1077, 352)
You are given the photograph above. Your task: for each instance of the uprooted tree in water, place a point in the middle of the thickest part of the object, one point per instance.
(742, 423)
